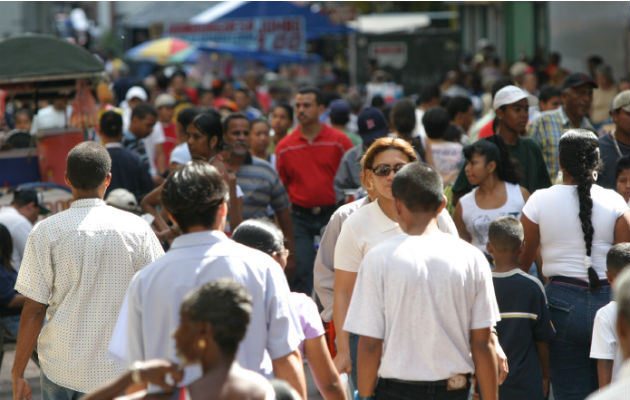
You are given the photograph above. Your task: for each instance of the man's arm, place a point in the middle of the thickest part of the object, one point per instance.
(160, 158)
(481, 347)
(604, 372)
(31, 322)
(290, 369)
(542, 348)
(368, 360)
(286, 225)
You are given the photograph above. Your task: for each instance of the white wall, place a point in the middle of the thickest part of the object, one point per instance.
(580, 29)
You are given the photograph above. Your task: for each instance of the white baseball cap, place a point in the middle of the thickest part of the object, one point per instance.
(508, 95)
(136, 92)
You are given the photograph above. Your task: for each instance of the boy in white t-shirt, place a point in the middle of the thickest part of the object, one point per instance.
(604, 344)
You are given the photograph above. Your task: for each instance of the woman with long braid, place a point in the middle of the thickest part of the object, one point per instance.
(575, 224)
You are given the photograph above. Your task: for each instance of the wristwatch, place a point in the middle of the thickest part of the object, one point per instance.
(135, 373)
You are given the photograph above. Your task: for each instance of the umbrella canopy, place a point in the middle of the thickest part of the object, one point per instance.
(36, 58)
(158, 50)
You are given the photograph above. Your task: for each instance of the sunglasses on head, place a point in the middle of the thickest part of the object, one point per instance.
(384, 169)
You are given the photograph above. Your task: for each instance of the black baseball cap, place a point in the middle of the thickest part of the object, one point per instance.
(25, 196)
(578, 79)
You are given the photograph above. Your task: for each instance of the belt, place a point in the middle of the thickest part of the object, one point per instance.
(315, 210)
(563, 280)
(443, 382)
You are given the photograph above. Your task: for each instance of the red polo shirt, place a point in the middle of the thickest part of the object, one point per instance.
(308, 169)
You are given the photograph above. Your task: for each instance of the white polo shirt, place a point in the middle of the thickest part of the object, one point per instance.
(80, 262)
(423, 295)
(366, 228)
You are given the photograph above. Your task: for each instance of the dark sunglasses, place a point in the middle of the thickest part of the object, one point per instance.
(384, 169)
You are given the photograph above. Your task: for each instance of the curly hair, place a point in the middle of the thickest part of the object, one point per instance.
(226, 305)
(579, 158)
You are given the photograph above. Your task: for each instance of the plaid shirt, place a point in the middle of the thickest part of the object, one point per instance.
(547, 129)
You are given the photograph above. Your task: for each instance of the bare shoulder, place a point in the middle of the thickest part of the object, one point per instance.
(246, 384)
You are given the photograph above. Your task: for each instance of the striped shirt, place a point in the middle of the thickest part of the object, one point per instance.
(262, 188)
(547, 129)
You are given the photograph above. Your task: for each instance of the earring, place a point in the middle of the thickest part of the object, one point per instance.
(201, 344)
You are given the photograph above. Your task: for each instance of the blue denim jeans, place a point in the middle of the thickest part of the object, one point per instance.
(387, 389)
(354, 350)
(52, 391)
(305, 227)
(572, 309)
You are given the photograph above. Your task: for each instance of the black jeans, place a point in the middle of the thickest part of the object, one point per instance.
(388, 389)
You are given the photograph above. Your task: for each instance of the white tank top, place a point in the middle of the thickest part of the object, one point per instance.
(477, 220)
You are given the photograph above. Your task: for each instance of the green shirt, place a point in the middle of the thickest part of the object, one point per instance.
(530, 164)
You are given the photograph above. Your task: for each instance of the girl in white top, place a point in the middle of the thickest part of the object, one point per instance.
(369, 226)
(575, 224)
(489, 167)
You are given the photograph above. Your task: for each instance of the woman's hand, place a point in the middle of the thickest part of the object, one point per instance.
(156, 371)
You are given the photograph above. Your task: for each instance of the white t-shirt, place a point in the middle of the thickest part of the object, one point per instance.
(604, 345)
(420, 131)
(366, 228)
(477, 220)
(448, 158)
(423, 295)
(156, 137)
(555, 210)
(19, 227)
(180, 154)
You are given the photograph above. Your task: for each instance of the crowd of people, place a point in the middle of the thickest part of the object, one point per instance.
(446, 245)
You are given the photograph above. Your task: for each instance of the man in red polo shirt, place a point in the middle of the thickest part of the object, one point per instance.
(307, 161)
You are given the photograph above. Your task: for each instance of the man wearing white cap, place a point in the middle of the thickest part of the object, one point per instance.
(134, 96)
(614, 145)
(511, 109)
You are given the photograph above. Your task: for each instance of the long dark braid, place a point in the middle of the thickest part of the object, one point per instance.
(579, 157)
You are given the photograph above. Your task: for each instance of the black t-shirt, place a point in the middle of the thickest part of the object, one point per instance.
(129, 173)
(524, 321)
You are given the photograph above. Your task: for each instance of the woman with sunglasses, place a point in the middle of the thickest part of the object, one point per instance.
(497, 192)
(575, 224)
(364, 229)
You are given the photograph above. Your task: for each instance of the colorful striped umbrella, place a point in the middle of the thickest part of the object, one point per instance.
(158, 50)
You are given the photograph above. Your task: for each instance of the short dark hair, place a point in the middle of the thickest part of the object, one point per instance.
(177, 73)
(186, 116)
(456, 105)
(403, 116)
(435, 121)
(506, 233)
(259, 120)
(286, 107)
(111, 124)
(87, 165)
(319, 100)
(618, 257)
(142, 110)
(209, 124)
(231, 117)
(226, 305)
(429, 92)
(24, 111)
(193, 193)
(419, 187)
(547, 92)
(622, 164)
(260, 234)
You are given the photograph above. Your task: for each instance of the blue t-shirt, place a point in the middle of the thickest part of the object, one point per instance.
(7, 292)
(524, 321)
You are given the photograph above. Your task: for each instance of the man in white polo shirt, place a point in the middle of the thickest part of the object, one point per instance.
(422, 304)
